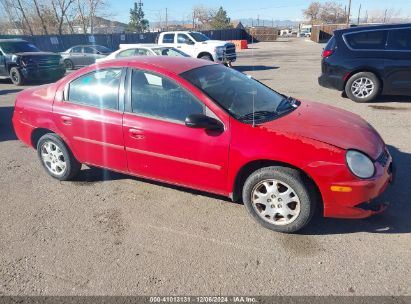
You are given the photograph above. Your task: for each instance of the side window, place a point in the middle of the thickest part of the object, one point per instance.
(168, 38)
(98, 89)
(373, 40)
(182, 38)
(399, 40)
(159, 97)
(126, 53)
(89, 50)
(143, 52)
(76, 50)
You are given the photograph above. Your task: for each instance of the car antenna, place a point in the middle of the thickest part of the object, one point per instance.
(252, 56)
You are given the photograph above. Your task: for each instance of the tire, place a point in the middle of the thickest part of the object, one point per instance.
(16, 77)
(228, 64)
(207, 57)
(363, 87)
(290, 192)
(69, 64)
(52, 153)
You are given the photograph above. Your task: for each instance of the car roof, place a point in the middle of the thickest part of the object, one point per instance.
(138, 45)
(88, 45)
(176, 65)
(13, 40)
(373, 27)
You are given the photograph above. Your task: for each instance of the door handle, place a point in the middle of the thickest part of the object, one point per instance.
(66, 120)
(136, 134)
(179, 47)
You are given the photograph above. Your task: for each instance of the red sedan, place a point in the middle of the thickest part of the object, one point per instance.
(201, 125)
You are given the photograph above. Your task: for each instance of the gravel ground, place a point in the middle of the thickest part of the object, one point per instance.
(110, 234)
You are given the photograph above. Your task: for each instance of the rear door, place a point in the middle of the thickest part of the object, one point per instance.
(90, 118)
(3, 70)
(76, 55)
(398, 62)
(91, 55)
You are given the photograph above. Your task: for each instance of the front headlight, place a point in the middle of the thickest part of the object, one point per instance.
(61, 60)
(360, 164)
(219, 49)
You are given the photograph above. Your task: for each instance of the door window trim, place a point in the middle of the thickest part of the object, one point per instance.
(375, 30)
(128, 102)
(121, 90)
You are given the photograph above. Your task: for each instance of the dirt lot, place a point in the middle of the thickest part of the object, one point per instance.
(110, 234)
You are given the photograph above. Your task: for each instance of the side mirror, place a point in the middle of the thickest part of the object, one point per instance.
(201, 121)
(189, 42)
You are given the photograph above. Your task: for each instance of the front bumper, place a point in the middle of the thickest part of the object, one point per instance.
(226, 58)
(358, 203)
(49, 73)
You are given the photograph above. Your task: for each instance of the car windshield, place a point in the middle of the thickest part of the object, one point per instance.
(167, 51)
(199, 37)
(12, 47)
(243, 97)
(102, 49)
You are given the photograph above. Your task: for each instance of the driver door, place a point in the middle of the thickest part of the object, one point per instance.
(185, 44)
(3, 70)
(158, 143)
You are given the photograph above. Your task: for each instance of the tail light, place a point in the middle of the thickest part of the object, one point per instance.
(327, 53)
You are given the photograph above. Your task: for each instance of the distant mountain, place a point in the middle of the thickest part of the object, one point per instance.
(264, 22)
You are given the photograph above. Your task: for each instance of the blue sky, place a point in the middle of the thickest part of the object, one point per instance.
(277, 9)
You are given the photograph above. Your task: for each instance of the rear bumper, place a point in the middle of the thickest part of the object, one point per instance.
(31, 73)
(357, 203)
(331, 82)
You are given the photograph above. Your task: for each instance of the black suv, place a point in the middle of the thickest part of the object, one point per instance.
(21, 61)
(366, 61)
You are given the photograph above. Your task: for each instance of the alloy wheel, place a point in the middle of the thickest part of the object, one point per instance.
(53, 158)
(362, 87)
(275, 202)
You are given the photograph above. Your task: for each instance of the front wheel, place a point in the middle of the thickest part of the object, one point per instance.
(69, 64)
(362, 87)
(57, 158)
(279, 198)
(207, 57)
(16, 76)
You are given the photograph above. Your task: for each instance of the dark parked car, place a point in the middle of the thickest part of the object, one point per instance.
(368, 61)
(21, 61)
(83, 55)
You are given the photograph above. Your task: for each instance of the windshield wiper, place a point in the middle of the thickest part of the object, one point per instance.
(258, 115)
(287, 104)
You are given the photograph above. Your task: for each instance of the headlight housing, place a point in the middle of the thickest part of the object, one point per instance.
(360, 164)
(219, 49)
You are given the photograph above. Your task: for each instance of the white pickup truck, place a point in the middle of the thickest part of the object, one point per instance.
(199, 45)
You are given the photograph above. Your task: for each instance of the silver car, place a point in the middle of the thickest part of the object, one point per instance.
(83, 55)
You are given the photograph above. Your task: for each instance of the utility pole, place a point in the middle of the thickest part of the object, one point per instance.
(349, 13)
(166, 19)
(359, 13)
(385, 15)
(258, 20)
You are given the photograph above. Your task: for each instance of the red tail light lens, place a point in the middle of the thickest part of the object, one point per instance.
(327, 53)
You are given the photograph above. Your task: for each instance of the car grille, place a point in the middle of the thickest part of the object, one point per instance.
(43, 63)
(383, 158)
(230, 49)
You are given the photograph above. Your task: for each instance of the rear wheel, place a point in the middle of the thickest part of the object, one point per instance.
(363, 87)
(16, 77)
(57, 158)
(279, 198)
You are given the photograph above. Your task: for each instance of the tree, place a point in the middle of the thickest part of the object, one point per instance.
(202, 17)
(137, 22)
(220, 20)
(332, 12)
(313, 12)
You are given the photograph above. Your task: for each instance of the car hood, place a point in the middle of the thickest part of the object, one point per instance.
(330, 125)
(215, 42)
